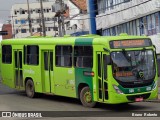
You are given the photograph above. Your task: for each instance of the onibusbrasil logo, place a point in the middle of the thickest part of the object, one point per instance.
(22, 114)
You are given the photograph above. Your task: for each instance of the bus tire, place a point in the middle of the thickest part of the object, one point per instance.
(86, 97)
(29, 88)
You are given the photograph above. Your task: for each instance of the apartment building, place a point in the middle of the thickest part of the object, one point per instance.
(77, 23)
(20, 24)
(135, 17)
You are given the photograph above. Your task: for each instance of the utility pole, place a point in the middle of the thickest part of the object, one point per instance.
(60, 11)
(40, 24)
(43, 21)
(29, 19)
(13, 34)
(92, 16)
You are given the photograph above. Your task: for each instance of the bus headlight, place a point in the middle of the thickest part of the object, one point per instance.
(155, 85)
(117, 89)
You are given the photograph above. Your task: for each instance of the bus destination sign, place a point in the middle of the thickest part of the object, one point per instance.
(130, 43)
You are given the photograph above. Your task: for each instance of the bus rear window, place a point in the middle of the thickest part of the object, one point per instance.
(7, 54)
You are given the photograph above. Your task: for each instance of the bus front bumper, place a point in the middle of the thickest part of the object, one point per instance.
(115, 98)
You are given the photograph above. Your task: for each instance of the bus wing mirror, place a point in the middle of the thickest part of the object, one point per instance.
(155, 51)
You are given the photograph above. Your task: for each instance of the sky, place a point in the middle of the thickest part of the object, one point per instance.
(5, 7)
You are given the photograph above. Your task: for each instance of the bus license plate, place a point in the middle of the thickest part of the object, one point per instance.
(139, 99)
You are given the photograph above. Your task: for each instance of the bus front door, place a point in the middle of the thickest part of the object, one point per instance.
(18, 69)
(47, 63)
(102, 76)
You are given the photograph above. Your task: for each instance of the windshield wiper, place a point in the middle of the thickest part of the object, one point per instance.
(128, 58)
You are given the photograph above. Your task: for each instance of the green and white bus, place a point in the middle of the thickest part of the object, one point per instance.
(113, 70)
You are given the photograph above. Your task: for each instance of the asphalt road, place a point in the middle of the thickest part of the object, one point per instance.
(12, 100)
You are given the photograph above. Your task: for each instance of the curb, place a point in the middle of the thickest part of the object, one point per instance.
(154, 101)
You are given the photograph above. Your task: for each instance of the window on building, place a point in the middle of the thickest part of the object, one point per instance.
(55, 28)
(149, 25)
(38, 20)
(44, 10)
(49, 28)
(138, 26)
(124, 28)
(47, 10)
(145, 26)
(16, 31)
(53, 8)
(83, 56)
(31, 56)
(127, 0)
(111, 4)
(16, 21)
(39, 29)
(131, 27)
(153, 24)
(31, 11)
(157, 22)
(128, 31)
(48, 19)
(63, 56)
(7, 54)
(134, 27)
(23, 21)
(38, 11)
(32, 29)
(32, 20)
(22, 11)
(54, 19)
(23, 30)
(15, 12)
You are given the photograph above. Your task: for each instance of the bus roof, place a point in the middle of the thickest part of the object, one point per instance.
(70, 40)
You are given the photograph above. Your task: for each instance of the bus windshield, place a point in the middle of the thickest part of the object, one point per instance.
(133, 65)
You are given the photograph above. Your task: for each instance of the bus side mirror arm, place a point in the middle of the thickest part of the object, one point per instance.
(106, 49)
(155, 51)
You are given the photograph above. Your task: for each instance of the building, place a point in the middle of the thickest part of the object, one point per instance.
(19, 18)
(8, 29)
(135, 17)
(77, 22)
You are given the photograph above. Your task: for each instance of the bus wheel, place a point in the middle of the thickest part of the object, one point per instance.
(86, 97)
(30, 88)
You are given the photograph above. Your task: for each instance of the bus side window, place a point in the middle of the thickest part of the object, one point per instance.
(7, 54)
(63, 56)
(83, 56)
(31, 55)
(79, 62)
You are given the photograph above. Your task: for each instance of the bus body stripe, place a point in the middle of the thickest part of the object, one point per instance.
(79, 76)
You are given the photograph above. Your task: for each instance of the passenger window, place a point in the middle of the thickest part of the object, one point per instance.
(31, 54)
(64, 56)
(83, 56)
(7, 54)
